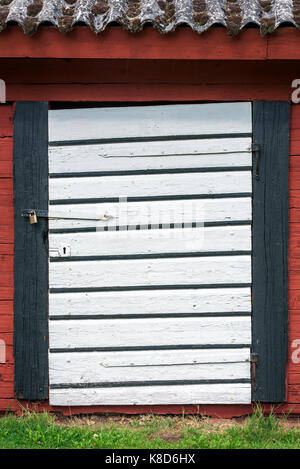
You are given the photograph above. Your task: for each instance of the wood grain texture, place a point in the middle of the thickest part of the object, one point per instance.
(149, 121)
(31, 251)
(124, 93)
(151, 302)
(147, 395)
(150, 272)
(136, 156)
(270, 248)
(93, 367)
(109, 333)
(151, 212)
(150, 185)
(143, 242)
(78, 319)
(114, 43)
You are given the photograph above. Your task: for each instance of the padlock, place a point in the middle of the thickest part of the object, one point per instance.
(32, 217)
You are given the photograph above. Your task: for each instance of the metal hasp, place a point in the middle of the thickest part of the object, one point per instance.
(254, 362)
(34, 214)
(256, 149)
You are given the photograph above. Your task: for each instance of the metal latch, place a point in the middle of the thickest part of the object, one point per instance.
(254, 362)
(256, 149)
(35, 214)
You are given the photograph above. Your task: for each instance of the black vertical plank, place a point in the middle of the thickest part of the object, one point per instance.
(270, 249)
(31, 251)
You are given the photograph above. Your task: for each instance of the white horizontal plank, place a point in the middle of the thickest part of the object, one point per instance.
(149, 121)
(154, 395)
(146, 272)
(111, 361)
(72, 333)
(136, 156)
(109, 243)
(151, 302)
(146, 213)
(151, 185)
(104, 367)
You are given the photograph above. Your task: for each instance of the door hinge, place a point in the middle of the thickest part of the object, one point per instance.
(254, 362)
(256, 149)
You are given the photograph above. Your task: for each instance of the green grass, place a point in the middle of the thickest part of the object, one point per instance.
(152, 432)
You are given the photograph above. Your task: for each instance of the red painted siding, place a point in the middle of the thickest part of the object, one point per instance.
(293, 375)
(114, 43)
(6, 252)
(133, 80)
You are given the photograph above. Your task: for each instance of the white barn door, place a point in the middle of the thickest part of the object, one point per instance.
(150, 255)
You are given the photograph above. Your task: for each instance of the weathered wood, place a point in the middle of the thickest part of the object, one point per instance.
(143, 242)
(137, 156)
(151, 212)
(91, 367)
(151, 272)
(178, 311)
(149, 121)
(115, 43)
(149, 395)
(150, 185)
(151, 302)
(31, 251)
(270, 249)
(71, 333)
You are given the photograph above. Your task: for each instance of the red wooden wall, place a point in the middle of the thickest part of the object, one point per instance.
(144, 80)
(6, 251)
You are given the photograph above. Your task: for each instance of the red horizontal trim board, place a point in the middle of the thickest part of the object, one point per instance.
(126, 71)
(114, 43)
(148, 92)
(154, 72)
(185, 44)
(284, 43)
